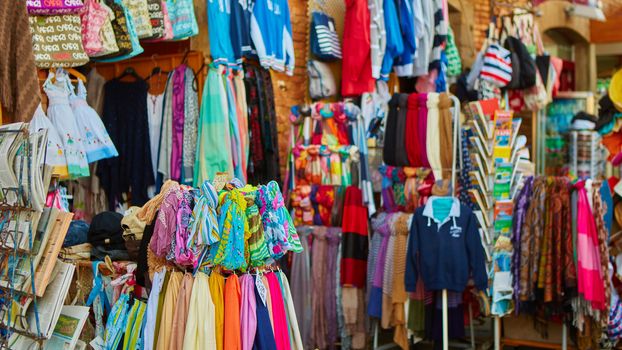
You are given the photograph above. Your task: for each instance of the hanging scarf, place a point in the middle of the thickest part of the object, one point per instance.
(279, 229)
(412, 141)
(166, 131)
(355, 240)
(589, 275)
(191, 113)
(178, 121)
(204, 230)
(232, 223)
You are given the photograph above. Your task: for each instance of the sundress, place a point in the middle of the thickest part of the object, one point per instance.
(97, 142)
(55, 153)
(61, 115)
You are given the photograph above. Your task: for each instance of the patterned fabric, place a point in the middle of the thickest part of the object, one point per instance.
(599, 208)
(232, 223)
(258, 250)
(464, 179)
(191, 117)
(454, 63)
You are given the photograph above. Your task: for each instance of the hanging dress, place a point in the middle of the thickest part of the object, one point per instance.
(61, 115)
(55, 152)
(97, 142)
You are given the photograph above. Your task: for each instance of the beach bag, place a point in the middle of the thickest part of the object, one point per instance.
(523, 65)
(156, 17)
(107, 34)
(53, 7)
(139, 10)
(57, 41)
(321, 80)
(497, 66)
(324, 41)
(183, 22)
(454, 63)
(93, 19)
(125, 23)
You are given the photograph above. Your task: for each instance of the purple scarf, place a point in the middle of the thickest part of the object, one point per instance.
(178, 121)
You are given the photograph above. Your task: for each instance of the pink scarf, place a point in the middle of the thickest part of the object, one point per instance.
(589, 276)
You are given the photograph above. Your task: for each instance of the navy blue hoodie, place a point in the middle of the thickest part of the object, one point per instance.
(446, 253)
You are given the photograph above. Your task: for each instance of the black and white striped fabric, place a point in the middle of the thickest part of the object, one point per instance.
(497, 67)
(325, 43)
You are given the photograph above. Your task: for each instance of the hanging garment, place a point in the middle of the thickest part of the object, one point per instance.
(234, 129)
(292, 319)
(232, 323)
(436, 254)
(133, 329)
(191, 118)
(440, 33)
(152, 310)
(446, 139)
(355, 244)
(117, 320)
(166, 133)
(19, 88)
(219, 19)
(590, 280)
(97, 142)
(214, 150)
(217, 287)
(395, 42)
(411, 143)
(281, 328)
(200, 330)
(377, 35)
(398, 291)
(181, 313)
(248, 312)
(55, 151)
(404, 62)
(271, 33)
(356, 75)
(433, 147)
(125, 118)
(264, 337)
(61, 115)
(401, 154)
(177, 122)
(301, 285)
(423, 129)
(391, 132)
(242, 114)
(239, 29)
(154, 115)
(381, 225)
(168, 310)
(95, 91)
(256, 156)
(424, 31)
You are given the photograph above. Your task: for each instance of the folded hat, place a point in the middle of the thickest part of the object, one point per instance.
(105, 230)
(132, 225)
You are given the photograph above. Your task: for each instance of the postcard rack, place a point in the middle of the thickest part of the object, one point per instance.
(15, 228)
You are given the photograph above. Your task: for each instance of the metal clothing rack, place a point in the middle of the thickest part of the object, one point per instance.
(11, 252)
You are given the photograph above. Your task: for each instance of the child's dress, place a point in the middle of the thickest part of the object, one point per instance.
(61, 115)
(96, 140)
(55, 153)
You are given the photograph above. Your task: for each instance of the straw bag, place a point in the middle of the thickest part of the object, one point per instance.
(53, 7)
(57, 41)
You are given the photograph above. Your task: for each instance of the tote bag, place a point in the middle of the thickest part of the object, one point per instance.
(139, 10)
(53, 7)
(123, 15)
(107, 34)
(324, 42)
(93, 18)
(183, 21)
(57, 41)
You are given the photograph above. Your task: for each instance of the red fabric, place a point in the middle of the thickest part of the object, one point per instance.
(355, 242)
(422, 129)
(356, 76)
(353, 272)
(411, 139)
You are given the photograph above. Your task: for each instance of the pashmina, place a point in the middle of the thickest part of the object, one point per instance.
(232, 323)
(248, 311)
(355, 241)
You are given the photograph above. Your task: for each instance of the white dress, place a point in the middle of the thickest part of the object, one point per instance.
(55, 152)
(61, 115)
(154, 112)
(97, 142)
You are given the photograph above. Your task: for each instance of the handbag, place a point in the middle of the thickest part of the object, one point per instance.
(93, 18)
(53, 7)
(497, 66)
(321, 80)
(139, 11)
(57, 41)
(183, 21)
(156, 17)
(324, 42)
(107, 34)
(125, 24)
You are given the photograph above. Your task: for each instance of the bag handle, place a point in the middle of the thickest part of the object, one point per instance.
(538, 40)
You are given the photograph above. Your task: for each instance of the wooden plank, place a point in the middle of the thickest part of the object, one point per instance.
(608, 31)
